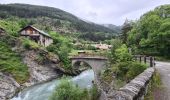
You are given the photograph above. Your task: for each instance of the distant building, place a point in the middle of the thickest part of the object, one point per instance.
(36, 35)
(102, 46)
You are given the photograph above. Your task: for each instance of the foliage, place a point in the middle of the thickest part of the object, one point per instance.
(123, 67)
(122, 54)
(10, 62)
(28, 44)
(116, 43)
(11, 27)
(81, 46)
(154, 85)
(66, 90)
(107, 75)
(151, 34)
(135, 68)
(96, 36)
(127, 26)
(124, 71)
(62, 47)
(94, 93)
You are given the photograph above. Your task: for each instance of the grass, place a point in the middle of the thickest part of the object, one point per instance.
(10, 62)
(28, 44)
(92, 52)
(154, 86)
(119, 83)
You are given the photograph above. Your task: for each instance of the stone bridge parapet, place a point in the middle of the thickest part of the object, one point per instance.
(135, 89)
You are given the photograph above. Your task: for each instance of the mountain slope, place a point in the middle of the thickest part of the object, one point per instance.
(58, 16)
(113, 27)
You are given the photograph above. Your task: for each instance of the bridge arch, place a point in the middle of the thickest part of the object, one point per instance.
(79, 63)
(96, 63)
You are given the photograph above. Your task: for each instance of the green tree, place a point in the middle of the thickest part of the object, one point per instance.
(122, 54)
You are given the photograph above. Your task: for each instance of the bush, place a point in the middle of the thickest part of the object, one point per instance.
(94, 93)
(135, 68)
(107, 75)
(154, 85)
(62, 47)
(122, 54)
(68, 91)
(128, 70)
(28, 44)
(11, 62)
(11, 27)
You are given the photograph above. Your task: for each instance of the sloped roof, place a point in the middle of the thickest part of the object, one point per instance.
(42, 32)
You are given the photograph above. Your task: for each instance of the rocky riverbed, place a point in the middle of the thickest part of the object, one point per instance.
(38, 72)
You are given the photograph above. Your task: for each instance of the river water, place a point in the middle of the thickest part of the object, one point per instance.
(43, 91)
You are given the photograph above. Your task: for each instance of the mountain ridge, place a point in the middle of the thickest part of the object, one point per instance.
(34, 11)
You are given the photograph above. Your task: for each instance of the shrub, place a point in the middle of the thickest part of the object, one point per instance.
(94, 93)
(52, 48)
(121, 69)
(135, 68)
(68, 91)
(62, 47)
(129, 70)
(107, 75)
(154, 87)
(28, 44)
(10, 62)
(122, 54)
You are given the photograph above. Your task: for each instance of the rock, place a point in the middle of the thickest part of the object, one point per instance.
(40, 72)
(8, 86)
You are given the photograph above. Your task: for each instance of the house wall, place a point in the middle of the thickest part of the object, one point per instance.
(47, 40)
(29, 31)
(43, 40)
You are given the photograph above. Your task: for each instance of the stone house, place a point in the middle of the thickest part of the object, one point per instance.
(36, 35)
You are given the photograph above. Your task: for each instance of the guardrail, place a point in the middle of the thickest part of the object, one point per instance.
(145, 59)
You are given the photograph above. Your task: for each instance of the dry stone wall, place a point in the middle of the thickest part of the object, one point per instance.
(134, 90)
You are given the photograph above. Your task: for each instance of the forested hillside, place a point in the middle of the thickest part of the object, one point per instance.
(53, 19)
(151, 34)
(111, 26)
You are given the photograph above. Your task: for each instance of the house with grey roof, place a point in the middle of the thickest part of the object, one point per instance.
(36, 35)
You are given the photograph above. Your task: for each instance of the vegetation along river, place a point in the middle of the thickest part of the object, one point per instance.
(43, 91)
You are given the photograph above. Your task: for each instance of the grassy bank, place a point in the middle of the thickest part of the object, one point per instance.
(154, 86)
(11, 62)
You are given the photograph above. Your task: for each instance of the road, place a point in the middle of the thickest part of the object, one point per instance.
(164, 69)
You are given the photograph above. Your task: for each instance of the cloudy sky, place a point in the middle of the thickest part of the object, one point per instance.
(100, 11)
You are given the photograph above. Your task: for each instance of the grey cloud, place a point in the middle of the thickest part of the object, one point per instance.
(100, 11)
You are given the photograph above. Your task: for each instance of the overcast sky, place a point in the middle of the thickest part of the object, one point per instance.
(100, 11)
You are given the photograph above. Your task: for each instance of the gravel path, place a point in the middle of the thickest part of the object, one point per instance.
(164, 69)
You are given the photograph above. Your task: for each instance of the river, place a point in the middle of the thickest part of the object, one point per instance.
(43, 91)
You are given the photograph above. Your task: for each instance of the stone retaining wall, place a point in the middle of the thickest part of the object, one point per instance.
(134, 90)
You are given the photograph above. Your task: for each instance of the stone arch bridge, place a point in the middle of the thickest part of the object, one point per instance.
(97, 63)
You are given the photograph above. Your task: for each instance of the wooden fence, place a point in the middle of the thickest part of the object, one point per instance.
(145, 59)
